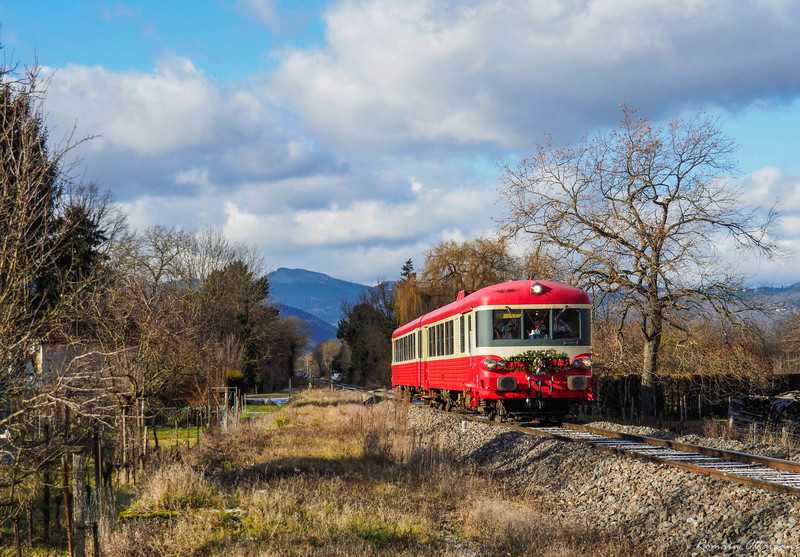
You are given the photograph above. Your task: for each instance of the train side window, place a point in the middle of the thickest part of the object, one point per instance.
(448, 338)
(461, 330)
(469, 331)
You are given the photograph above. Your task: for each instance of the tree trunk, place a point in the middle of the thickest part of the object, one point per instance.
(17, 538)
(649, 366)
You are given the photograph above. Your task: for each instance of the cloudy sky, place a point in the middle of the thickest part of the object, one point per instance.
(348, 136)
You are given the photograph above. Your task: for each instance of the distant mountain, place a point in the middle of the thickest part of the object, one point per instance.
(315, 293)
(319, 329)
(789, 295)
(316, 298)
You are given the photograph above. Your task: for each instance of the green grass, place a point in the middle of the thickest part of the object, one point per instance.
(253, 410)
(167, 436)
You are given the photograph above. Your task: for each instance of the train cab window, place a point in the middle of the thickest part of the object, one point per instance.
(536, 323)
(533, 326)
(566, 324)
(506, 325)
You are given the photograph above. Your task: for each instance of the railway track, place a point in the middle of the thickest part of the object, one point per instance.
(781, 476)
(772, 474)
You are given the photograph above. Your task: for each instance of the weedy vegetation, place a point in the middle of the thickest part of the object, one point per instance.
(330, 475)
(783, 442)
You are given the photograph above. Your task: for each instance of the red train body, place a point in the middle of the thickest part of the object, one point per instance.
(520, 349)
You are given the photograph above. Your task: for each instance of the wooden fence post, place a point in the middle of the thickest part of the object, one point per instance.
(79, 505)
(98, 486)
(125, 446)
(67, 502)
(46, 504)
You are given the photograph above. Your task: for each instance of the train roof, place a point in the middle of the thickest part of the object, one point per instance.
(511, 293)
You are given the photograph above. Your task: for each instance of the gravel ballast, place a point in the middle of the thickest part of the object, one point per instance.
(662, 509)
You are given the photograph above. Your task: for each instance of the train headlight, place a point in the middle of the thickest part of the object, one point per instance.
(578, 363)
(537, 288)
(490, 364)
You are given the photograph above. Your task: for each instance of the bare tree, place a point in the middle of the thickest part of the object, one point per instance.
(643, 215)
(325, 353)
(49, 246)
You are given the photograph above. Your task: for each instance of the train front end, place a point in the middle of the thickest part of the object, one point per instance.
(533, 355)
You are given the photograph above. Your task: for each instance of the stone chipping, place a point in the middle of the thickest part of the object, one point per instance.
(661, 509)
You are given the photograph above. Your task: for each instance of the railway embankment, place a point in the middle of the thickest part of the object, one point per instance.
(664, 509)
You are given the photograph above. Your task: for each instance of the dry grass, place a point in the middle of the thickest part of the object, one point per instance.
(511, 528)
(331, 476)
(782, 442)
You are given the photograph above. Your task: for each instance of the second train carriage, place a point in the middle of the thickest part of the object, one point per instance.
(519, 348)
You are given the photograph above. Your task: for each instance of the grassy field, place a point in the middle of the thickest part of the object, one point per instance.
(330, 476)
(169, 436)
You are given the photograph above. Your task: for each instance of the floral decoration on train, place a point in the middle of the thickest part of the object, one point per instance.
(539, 361)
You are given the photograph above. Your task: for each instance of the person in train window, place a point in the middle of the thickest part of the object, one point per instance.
(563, 330)
(498, 329)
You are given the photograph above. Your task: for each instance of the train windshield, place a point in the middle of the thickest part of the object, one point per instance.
(535, 326)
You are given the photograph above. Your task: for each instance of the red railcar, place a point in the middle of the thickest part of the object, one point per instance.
(520, 349)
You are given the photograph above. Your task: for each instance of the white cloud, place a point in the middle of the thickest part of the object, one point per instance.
(176, 107)
(790, 226)
(239, 224)
(505, 72)
(196, 176)
(766, 189)
(367, 151)
(363, 222)
(770, 185)
(263, 10)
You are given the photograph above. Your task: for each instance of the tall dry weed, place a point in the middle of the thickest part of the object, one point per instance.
(176, 487)
(780, 438)
(510, 528)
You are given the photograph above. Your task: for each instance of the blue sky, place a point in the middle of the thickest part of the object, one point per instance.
(348, 136)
